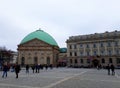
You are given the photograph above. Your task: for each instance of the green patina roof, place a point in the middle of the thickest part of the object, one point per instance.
(41, 35)
(63, 50)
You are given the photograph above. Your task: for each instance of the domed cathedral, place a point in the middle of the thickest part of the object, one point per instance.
(38, 47)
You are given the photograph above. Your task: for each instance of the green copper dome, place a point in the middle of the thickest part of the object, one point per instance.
(41, 35)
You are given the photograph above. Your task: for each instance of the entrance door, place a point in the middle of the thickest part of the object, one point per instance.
(22, 61)
(95, 62)
(35, 60)
(48, 60)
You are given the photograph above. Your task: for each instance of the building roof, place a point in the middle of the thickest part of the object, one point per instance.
(41, 35)
(63, 50)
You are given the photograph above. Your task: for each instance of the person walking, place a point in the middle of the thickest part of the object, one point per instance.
(5, 69)
(17, 69)
(108, 68)
(27, 68)
(113, 69)
(33, 68)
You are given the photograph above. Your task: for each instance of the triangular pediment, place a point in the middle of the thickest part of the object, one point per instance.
(35, 42)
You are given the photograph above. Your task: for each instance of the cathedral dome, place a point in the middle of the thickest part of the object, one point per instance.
(41, 35)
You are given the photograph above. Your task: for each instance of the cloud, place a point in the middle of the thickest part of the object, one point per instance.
(59, 18)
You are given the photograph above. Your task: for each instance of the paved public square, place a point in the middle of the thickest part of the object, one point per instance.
(62, 78)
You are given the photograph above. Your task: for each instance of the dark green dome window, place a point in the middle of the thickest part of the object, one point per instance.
(41, 35)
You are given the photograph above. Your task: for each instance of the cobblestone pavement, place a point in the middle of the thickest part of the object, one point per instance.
(62, 78)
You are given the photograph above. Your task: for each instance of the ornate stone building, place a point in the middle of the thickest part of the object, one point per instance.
(94, 49)
(62, 57)
(38, 47)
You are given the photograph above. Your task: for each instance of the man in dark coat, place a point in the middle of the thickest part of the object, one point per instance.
(108, 68)
(27, 68)
(113, 69)
(17, 69)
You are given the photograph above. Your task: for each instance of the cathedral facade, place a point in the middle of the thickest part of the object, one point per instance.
(38, 47)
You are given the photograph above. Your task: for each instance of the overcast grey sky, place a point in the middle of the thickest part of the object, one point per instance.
(59, 18)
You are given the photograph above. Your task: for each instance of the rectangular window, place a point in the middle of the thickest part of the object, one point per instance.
(116, 43)
(110, 60)
(95, 53)
(75, 47)
(94, 45)
(81, 45)
(70, 46)
(81, 53)
(88, 60)
(75, 53)
(75, 61)
(117, 51)
(87, 46)
(109, 44)
(103, 60)
(81, 60)
(102, 52)
(70, 61)
(101, 44)
(109, 52)
(70, 53)
(118, 60)
(88, 54)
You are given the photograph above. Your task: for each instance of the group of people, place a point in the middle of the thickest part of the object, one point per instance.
(5, 68)
(16, 68)
(111, 68)
(36, 67)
